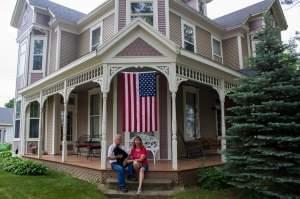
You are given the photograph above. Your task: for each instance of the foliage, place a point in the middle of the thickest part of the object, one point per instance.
(212, 179)
(5, 154)
(263, 138)
(53, 185)
(10, 103)
(5, 147)
(209, 194)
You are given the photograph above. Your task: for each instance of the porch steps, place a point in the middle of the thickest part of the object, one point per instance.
(152, 188)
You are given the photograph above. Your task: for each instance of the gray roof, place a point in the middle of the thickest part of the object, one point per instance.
(6, 116)
(240, 16)
(61, 12)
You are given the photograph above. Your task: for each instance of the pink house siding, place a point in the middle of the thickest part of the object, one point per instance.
(139, 48)
(122, 14)
(161, 4)
(36, 77)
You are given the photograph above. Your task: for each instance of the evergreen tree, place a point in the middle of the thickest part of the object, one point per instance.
(263, 138)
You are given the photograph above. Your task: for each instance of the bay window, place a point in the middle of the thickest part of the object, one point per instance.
(94, 113)
(34, 120)
(142, 9)
(217, 47)
(96, 37)
(18, 119)
(188, 36)
(38, 57)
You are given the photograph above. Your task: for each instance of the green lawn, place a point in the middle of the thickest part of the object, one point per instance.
(204, 194)
(54, 185)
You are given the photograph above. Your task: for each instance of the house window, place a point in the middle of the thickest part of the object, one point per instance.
(18, 117)
(201, 7)
(38, 53)
(34, 120)
(96, 37)
(191, 113)
(94, 113)
(188, 37)
(2, 135)
(22, 58)
(143, 10)
(217, 48)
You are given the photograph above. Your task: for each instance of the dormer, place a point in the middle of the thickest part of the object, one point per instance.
(199, 5)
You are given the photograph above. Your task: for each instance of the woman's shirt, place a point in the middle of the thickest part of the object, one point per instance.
(136, 153)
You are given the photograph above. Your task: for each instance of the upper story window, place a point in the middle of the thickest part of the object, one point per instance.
(202, 7)
(142, 9)
(96, 37)
(38, 58)
(217, 47)
(188, 36)
(22, 58)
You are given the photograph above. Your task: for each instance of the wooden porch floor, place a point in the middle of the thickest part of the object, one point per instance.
(161, 165)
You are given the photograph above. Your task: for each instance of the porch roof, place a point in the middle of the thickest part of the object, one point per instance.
(94, 57)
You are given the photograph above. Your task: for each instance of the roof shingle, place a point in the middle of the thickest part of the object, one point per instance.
(240, 16)
(6, 116)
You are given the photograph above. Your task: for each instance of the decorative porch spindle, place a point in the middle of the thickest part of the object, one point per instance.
(174, 133)
(41, 133)
(104, 129)
(64, 142)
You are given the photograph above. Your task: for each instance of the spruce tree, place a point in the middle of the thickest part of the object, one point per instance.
(263, 135)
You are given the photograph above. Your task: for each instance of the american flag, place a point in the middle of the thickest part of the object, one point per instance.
(139, 100)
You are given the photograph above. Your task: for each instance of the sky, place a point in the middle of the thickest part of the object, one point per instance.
(9, 49)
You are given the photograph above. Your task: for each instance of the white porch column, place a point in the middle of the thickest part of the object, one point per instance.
(223, 124)
(22, 127)
(174, 133)
(104, 131)
(41, 133)
(64, 141)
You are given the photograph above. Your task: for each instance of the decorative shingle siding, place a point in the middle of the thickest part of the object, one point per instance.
(42, 19)
(161, 7)
(52, 60)
(68, 52)
(122, 14)
(203, 39)
(231, 53)
(36, 77)
(26, 21)
(139, 48)
(255, 24)
(83, 43)
(175, 28)
(108, 28)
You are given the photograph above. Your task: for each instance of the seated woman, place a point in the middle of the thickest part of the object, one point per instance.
(138, 156)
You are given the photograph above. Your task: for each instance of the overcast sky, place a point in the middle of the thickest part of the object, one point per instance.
(8, 47)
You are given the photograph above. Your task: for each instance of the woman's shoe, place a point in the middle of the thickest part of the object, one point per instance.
(139, 191)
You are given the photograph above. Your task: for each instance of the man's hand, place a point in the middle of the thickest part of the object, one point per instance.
(119, 156)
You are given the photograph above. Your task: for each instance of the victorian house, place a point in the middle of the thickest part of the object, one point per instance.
(69, 88)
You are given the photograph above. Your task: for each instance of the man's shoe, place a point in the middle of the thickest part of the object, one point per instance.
(123, 189)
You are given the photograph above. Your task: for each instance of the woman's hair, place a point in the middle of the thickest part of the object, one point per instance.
(141, 141)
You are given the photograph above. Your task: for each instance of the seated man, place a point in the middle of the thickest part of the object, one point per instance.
(118, 160)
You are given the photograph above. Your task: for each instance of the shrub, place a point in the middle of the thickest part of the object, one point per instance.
(5, 154)
(212, 179)
(5, 147)
(19, 166)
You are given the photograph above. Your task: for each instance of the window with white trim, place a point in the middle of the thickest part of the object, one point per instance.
(34, 120)
(38, 58)
(96, 37)
(22, 58)
(142, 9)
(18, 119)
(201, 7)
(217, 47)
(94, 113)
(188, 36)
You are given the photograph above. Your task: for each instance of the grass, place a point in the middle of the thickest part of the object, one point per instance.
(54, 185)
(205, 194)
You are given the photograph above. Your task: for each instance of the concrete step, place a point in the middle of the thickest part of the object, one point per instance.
(114, 194)
(149, 184)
